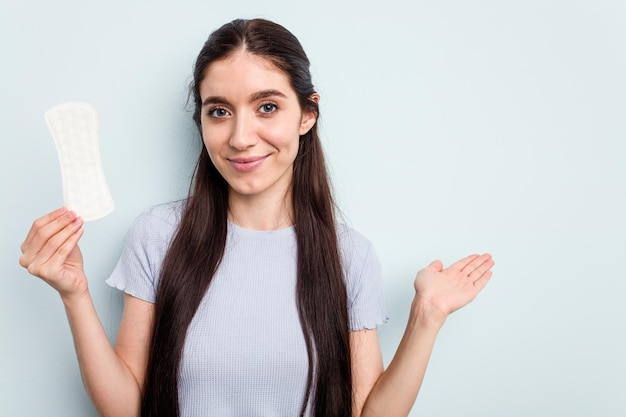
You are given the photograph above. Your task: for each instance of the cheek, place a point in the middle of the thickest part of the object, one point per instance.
(281, 135)
(206, 139)
(213, 151)
(213, 137)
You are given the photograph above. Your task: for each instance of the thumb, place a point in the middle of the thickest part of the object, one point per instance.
(436, 265)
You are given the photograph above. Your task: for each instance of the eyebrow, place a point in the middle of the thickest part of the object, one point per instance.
(265, 94)
(253, 97)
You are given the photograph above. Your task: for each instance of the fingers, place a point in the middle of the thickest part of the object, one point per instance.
(437, 266)
(479, 268)
(481, 282)
(41, 222)
(49, 265)
(50, 235)
(462, 263)
(45, 227)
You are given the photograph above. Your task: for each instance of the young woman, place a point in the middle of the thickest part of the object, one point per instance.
(248, 298)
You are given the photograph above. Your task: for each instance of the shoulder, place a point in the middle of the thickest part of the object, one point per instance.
(167, 213)
(159, 222)
(352, 244)
(358, 255)
(138, 270)
(363, 275)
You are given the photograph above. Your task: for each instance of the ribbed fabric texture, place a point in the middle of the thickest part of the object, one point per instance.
(245, 354)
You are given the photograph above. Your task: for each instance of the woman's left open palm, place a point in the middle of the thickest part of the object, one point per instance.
(447, 290)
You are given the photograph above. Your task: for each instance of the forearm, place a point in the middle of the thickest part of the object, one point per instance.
(108, 381)
(396, 390)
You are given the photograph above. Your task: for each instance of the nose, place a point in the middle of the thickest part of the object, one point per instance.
(244, 134)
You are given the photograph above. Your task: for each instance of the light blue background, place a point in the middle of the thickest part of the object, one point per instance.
(451, 127)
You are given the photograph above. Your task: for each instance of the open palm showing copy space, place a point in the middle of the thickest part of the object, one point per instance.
(51, 251)
(447, 290)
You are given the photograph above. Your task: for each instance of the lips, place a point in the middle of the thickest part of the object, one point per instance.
(247, 164)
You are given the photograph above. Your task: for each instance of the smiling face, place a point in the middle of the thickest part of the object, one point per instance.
(251, 125)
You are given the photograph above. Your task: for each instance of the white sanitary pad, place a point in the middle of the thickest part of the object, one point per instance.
(74, 127)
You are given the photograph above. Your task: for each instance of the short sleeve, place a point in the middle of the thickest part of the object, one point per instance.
(138, 269)
(366, 299)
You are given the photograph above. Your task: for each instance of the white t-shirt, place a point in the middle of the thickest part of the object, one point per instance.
(245, 353)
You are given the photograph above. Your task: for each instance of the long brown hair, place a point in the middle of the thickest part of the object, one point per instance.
(198, 245)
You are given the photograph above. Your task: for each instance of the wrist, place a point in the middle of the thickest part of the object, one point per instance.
(423, 314)
(75, 297)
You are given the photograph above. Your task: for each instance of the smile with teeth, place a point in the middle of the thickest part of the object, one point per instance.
(247, 164)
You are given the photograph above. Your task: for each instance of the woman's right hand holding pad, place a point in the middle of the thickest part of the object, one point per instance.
(51, 252)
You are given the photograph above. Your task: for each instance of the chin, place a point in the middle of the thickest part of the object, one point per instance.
(247, 190)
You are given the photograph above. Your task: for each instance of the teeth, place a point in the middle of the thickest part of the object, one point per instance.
(74, 127)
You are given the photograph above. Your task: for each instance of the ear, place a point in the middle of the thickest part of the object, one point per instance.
(309, 117)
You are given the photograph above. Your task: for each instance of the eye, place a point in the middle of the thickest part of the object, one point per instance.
(267, 108)
(218, 112)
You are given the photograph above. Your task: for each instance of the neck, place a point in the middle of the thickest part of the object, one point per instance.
(260, 213)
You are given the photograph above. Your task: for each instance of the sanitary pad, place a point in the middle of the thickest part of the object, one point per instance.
(74, 127)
